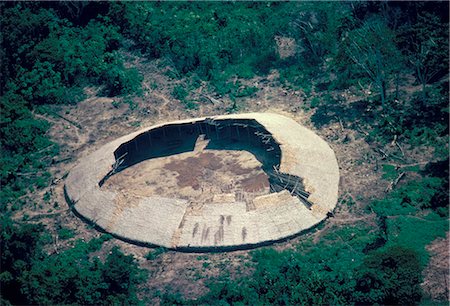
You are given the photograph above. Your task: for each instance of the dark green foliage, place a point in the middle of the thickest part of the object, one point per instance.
(41, 84)
(151, 255)
(372, 50)
(26, 151)
(22, 27)
(121, 274)
(423, 120)
(440, 199)
(414, 214)
(73, 276)
(54, 55)
(179, 92)
(65, 233)
(391, 277)
(217, 41)
(19, 244)
(424, 41)
(415, 232)
(319, 28)
(410, 198)
(60, 278)
(121, 81)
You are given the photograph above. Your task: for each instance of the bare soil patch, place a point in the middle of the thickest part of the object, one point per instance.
(196, 176)
(436, 283)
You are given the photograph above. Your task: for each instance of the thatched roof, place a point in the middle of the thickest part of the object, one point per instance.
(171, 223)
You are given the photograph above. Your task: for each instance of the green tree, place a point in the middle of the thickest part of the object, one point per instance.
(41, 84)
(391, 276)
(427, 48)
(60, 278)
(372, 48)
(19, 244)
(318, 29)
(75, 277)
(26, 150)
(23, 26)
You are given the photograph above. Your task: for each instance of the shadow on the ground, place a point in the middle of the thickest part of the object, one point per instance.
(357, 112)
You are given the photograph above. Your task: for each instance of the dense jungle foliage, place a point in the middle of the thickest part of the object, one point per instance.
(50, 51)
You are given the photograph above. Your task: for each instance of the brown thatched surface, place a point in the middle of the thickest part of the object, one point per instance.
(222, 220)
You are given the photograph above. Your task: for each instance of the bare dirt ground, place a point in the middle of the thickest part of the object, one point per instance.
(100, 120)
(436, 281)
(201, 176)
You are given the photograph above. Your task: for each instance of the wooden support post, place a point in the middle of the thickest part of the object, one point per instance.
(295, 186)
(237, 131)
(206, 129)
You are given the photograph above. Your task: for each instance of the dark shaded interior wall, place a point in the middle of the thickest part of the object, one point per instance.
(225, 134)
(228, 134)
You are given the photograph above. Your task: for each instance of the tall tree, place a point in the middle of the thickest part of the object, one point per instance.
(372, 48)
(428, 49)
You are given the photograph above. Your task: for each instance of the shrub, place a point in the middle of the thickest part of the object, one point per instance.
(65, 233)
(179, 92)
(151, 255)
(121, 81)
(391, 277)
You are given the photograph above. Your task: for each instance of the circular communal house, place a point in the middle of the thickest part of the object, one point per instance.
(204, 184)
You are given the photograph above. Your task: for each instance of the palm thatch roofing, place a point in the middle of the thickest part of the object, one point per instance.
(304, 188)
